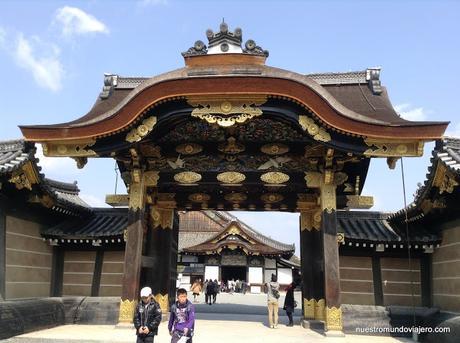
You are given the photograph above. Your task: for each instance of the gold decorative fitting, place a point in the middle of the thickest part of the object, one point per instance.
(309, 308)
(149, 150)
(69, 149)
(272, 198)
(81, 161)
(136, 196)
(166, 200)
(317, 132)
(334, 318)
(340, 237)
(389, 148)
(125, 235)
(187, 177)
(21, 181)
(320, 309)
(163, 301)
(199, 197)
(447, 184)
(235, 197)
(328, 197)
(274, 178)
(340, 178)
(136, 134)
(162, 218)
(313, 179)
(274, 149)
(231, 147)
(117, 199)
(231, 177)
(226, 110)
(189, 148)
(310, 219)
(359, 201)
(151, 178)
(127, 308)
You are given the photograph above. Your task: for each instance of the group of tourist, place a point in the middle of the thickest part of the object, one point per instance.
(147, 318)
(211, 289)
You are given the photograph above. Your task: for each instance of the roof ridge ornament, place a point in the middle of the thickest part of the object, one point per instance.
(223, 42)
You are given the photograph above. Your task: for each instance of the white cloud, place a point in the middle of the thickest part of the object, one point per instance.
(59, 168)
(408, 112)
(77, 22)
(93, 200)
(2, 36)
(154, 2)
(46, 69)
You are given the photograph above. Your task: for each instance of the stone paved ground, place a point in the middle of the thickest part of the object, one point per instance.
(235, 318)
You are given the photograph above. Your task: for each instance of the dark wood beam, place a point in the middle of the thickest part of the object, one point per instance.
(426, 279)
(377, 281)
(57, 272)
(97, 273)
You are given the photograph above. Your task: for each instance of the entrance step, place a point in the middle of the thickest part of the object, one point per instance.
(317, 325)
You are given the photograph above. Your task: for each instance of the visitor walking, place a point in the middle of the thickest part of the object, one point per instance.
(147, 317)
(216, 290)
(181, 323)
(273, 294)
(196, 289)
(205, 290)
(289, 302)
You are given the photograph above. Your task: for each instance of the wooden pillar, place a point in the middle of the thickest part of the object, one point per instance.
(310, 221)
(333, 311)
(426, 277)
(377, 281)
(159, 245)
(97, 273)
(133, 248)
(174, 254)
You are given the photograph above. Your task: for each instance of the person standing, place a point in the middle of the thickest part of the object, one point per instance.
(205, 290)
(181, 323)
(147, 317)
(210, 291)
(196, 289)
(216, 290)
(273, 294)
(289, 302)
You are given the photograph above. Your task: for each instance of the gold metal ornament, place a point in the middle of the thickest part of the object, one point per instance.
(231, 147)
(309, 308)
(231, 177)
(78, 148)
(136, 134)
(163, 301)
(320, 309)
(318, 133)
(199, 197)
(189, 148)
(162, 218)
(272, 198)
(127, 308)
(226, 110)
(393, 148)
(187, 177)
(274, 149)
(235, 197)
(334, 318)
(274, 178)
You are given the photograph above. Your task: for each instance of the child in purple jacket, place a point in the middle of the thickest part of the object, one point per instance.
(182, 318)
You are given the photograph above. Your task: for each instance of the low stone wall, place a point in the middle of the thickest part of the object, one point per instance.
(22, 316)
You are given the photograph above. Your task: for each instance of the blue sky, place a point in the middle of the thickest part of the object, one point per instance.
(53, 55)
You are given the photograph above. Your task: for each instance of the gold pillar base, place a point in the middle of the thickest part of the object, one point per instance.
(334, 319)
(309, 308)
(163, 301)
(127, 308)
(319, 309)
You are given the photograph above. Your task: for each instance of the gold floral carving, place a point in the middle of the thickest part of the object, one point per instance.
(127, 308)
(334, 318)
(187, 177)
(274, 177)
(317, 132)
(69, 149)
(274, 149)
(235, 197)
(320, 309)
(149, 150)
(199, 197)
(310, 220)
(231, 177)
(340, 237)
(447, 184)
(163, 301)
(136, 196)
(226, 110)
(309, 308)
(139, 132)
(21, 181)
(162, 218)
(272, 198)
(189, 148)
(313, 179)
(151, 178)
(390, 148)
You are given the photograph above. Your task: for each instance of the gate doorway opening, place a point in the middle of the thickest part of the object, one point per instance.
(233, 273)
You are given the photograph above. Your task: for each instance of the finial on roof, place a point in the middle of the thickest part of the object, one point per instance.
(223, 42)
